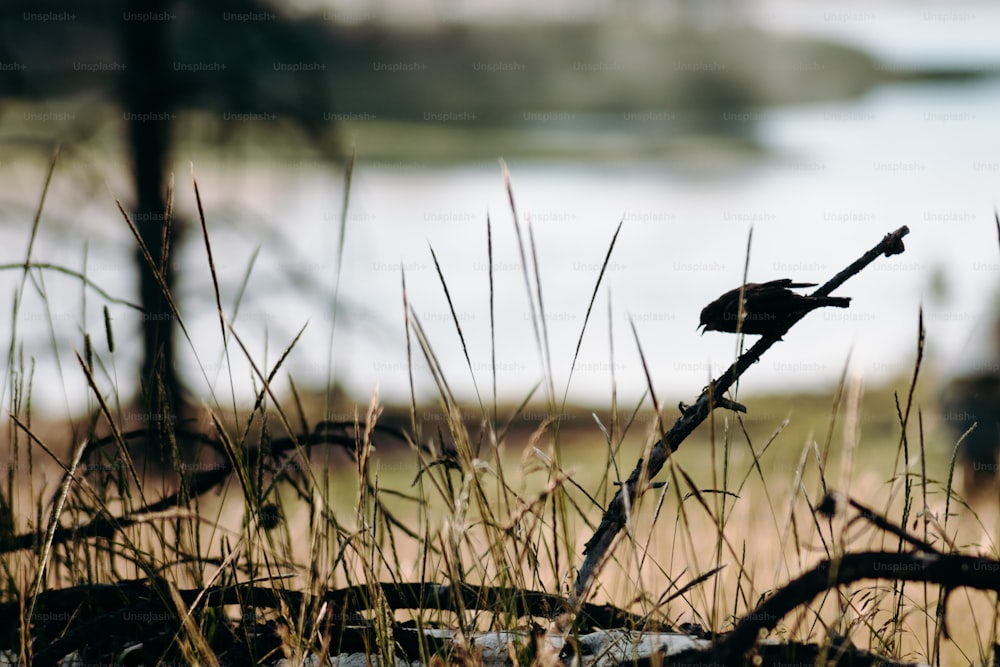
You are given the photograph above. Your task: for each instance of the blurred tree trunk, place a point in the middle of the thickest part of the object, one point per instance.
(146, 99)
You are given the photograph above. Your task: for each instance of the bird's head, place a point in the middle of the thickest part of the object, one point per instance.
(704, 321)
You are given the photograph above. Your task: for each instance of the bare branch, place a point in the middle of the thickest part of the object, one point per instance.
(711, 397)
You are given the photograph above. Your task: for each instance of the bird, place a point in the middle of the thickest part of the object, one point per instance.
(769, 308)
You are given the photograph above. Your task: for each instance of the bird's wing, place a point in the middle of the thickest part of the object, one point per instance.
(785, 283)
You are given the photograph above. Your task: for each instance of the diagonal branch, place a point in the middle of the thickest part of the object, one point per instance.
(950, 571)
(711, 397)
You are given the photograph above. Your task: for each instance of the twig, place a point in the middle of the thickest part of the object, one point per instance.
(947, 570)
(325, 433)
(711, 397)
(829, 505)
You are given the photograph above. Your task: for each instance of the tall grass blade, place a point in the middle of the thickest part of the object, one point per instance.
(526, 274)
(458, 326)
(215, 286)
(341, 238)
(590, 307)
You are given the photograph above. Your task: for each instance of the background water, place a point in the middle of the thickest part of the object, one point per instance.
(832, 179)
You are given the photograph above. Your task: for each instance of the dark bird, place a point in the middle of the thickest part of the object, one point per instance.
(768, 308)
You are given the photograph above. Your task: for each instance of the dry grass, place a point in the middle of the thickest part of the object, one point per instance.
(770, 533)
(503, 506)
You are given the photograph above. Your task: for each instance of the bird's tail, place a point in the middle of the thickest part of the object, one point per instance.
(835, 301)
